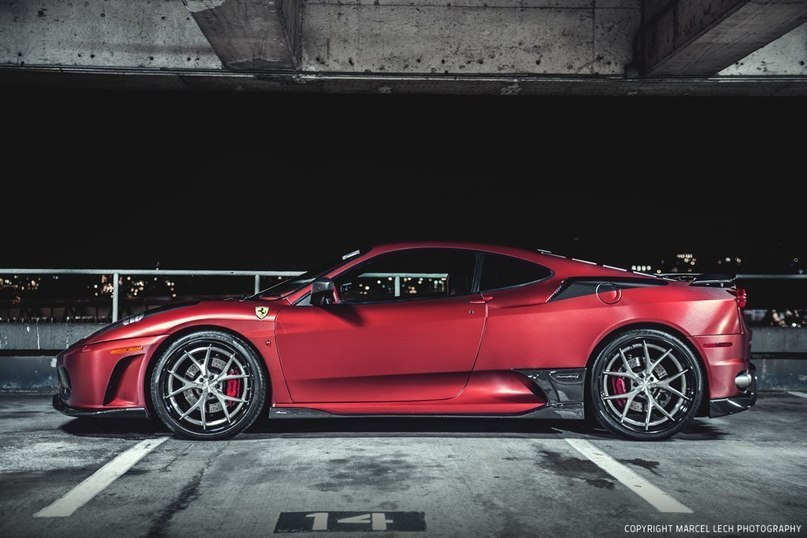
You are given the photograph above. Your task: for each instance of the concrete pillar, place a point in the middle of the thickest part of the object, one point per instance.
(702, 37)
(249, 34)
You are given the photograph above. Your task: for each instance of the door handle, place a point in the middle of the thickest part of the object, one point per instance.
(483, 300)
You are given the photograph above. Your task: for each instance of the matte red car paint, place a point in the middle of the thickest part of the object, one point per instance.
(415, 350)
(90, 368)
(723, 363)
(445, 356)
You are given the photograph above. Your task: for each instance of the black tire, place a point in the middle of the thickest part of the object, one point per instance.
(215, 368)
(672, 389)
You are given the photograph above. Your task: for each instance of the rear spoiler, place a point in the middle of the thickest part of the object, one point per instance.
(703, 279)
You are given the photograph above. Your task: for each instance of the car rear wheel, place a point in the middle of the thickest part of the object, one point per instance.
(208, 385)
(646, 385)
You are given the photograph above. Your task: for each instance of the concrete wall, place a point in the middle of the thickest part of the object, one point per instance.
(776, 372)
(43, 336)
(776, 340)
(27, 374)
(573, 37)
(30, 371)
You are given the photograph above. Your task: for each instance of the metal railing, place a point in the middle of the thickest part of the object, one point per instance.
(118, 273)
(257, 275)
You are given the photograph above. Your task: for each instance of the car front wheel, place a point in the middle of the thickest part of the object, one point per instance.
(208, 385)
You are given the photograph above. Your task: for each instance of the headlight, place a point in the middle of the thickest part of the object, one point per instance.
(130, 320)
(119, 323)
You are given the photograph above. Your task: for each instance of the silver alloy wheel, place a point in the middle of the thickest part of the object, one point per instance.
(206, 385)
(647, 385)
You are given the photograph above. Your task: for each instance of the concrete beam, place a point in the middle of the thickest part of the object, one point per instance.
(702, 37)
(248, 34)
(375, 83)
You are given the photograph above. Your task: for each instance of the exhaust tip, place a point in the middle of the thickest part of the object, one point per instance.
(744, 380)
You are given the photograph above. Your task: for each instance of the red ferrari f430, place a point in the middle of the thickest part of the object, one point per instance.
(429, 329)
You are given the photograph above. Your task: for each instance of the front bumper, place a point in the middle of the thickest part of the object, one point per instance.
(105, 375)
(728, 406)
(128, 412)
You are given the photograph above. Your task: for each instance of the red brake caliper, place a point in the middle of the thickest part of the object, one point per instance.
(233, 387)
(618, 386)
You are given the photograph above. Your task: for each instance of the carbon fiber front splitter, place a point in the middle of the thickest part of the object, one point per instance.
(127, 412)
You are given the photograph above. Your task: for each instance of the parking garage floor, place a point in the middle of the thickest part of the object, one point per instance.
(743, 475)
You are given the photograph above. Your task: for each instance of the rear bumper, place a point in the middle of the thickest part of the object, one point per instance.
(128, 412)
(728, 406)
(725, 356)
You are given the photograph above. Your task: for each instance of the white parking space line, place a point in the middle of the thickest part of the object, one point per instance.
(662, 501)
(95, 484)
(797, 393)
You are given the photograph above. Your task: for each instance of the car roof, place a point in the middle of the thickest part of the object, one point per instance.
(563, 265)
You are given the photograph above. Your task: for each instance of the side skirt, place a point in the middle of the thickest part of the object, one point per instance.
(563, 389)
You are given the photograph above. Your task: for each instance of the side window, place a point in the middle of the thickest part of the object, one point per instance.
(413, 274)
(503, 271)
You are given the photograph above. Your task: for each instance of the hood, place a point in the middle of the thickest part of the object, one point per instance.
(170, 318)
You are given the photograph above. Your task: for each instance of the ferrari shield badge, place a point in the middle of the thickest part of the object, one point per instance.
(261, 311)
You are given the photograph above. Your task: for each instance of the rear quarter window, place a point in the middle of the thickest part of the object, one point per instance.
(504, 272)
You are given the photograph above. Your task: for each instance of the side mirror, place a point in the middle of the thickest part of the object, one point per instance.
(323, 291)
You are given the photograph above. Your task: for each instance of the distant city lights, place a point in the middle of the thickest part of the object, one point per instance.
(71, 297)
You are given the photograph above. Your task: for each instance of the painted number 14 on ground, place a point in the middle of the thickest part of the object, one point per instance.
(350, 521)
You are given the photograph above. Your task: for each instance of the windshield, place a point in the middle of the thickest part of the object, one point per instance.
(296, 282)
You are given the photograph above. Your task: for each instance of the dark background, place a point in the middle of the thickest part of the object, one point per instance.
(279, 181)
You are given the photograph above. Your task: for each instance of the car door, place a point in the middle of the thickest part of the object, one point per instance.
(518, 331)
(406, 327)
